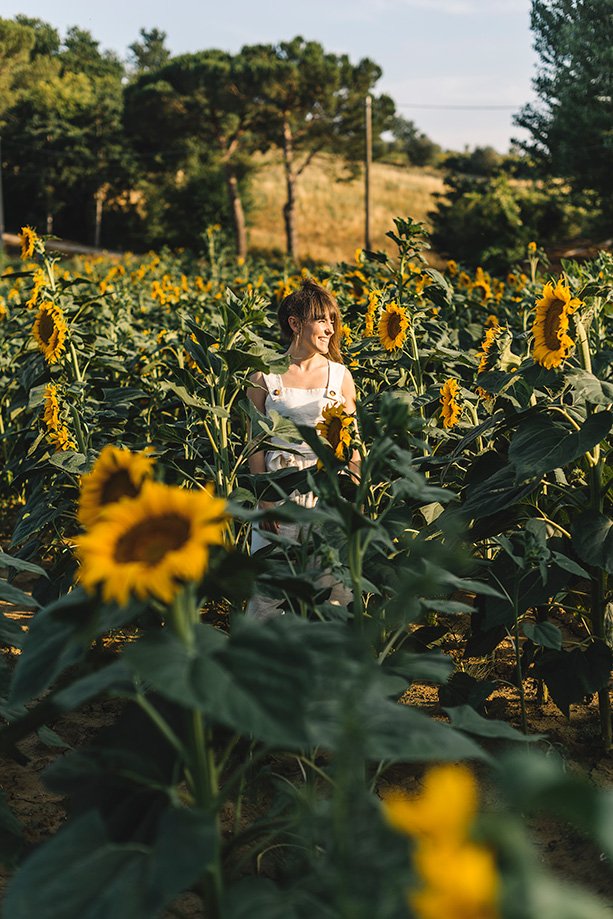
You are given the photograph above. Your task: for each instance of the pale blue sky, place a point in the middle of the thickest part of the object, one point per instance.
(432, 52)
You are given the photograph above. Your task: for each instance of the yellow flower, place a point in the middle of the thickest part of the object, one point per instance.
(371, 311)
(3, 310)
(458, 883)
(393, 326)
(359, 256)
(149, 545)
(459, 879)
(452, 267)
(117, 475)
(51, 415)
(464, 279)
(335, 428)
(28, 242)
(451, 408)
(482, 289)
(50, 331)
(39, 283)
(485, 362)
(346, 334)
(552, 343)
(532, 247)
(491, 322)
(61, 439)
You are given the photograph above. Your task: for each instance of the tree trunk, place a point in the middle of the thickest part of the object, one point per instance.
(98, 226)
(289, 208)
(238, 215)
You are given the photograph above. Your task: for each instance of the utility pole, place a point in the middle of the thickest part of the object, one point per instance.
(367, 165)
(1, 204)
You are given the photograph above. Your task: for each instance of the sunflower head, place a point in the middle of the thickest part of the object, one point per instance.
(393, 326)
(28, 242)
(51, 415)
(116, 475)
(335, 428)
(151, 544)
(50, 331)
(451, 407)
(552, 343)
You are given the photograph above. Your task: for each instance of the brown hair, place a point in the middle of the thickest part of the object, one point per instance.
(311, 301)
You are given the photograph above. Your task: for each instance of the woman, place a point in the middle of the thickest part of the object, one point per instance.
(309, 321)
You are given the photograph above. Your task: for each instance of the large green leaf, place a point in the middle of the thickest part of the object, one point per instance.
(10, 594)
(541, 444)
(499, 491)
(82, 872)
(589, 387)
(593, 539)
(465, 718)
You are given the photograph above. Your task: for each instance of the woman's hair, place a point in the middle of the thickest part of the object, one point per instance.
(311, 301)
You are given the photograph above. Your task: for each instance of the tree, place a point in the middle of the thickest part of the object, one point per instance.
(571, 126)
(195, 103)
(408, 139)
(309, 101)
(150, 53)
(16, 44)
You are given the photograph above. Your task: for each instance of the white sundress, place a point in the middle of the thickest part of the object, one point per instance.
(302, 406)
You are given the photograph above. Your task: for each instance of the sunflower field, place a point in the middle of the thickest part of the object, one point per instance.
(260, 769)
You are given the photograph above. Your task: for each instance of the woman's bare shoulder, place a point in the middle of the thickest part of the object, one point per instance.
(257, 378)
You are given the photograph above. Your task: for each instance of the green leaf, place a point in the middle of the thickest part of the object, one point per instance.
(499, 491)
(589, 387)
(541, 444)
(17, 597)
(465, 718)
(11, 833)
(545, 634)
(592, 535)
(570, 676)
(19, 564)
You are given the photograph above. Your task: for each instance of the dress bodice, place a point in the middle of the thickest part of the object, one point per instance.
(302, 406)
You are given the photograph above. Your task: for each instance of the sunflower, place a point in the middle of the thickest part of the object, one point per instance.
(485, 362)
(28, 242)
(117, 474)
(61, 439)
(39, 283)
(3, 310)
(393, 326)
(50, 331)
(150, 544)
(452, 267)
(492, 321)
(371, 311)
(335, 429)
(451, 407)
(51, 415)
(552, 343)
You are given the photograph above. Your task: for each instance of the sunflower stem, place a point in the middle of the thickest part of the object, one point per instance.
(81, 441)
(355, 569)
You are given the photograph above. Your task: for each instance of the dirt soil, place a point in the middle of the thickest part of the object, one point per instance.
(559, 847)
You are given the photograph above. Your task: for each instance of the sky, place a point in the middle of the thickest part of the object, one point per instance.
(459, 69)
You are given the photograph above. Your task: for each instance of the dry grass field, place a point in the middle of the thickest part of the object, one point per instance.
(330, 209)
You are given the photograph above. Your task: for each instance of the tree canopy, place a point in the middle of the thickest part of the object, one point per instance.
(571, 126)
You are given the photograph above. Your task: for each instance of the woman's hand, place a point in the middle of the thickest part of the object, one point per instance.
(271, 526)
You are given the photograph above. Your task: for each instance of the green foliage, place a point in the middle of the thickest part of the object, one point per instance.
(570, 127)
(490, 221)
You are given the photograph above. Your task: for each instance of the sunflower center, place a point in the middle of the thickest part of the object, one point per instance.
(551, 326)
(334, 431)
(46, 327)
(118, 485)
(393, 326)
(149, 541)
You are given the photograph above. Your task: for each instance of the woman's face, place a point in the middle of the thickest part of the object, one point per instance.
(315, 334)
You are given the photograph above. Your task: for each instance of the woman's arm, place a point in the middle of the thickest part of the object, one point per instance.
(349, 395)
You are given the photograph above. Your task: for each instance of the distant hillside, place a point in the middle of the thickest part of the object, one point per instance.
(330, 213)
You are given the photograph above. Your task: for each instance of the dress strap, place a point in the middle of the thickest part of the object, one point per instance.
(336, 374)
(274, 385)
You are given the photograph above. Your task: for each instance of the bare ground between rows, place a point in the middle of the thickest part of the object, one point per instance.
(557, 846)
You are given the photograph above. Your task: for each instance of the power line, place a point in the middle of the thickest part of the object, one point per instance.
(464, 107)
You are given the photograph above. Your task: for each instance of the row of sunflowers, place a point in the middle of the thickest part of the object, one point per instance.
(267, 769)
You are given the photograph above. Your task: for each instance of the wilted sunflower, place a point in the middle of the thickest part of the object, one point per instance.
(552, 343)
(393, 326)
(149, 545)
(28, 242)
(451, 408)
(39, 283)
(335, 429)
(371, 311)
(50, 331)
(117, 474)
